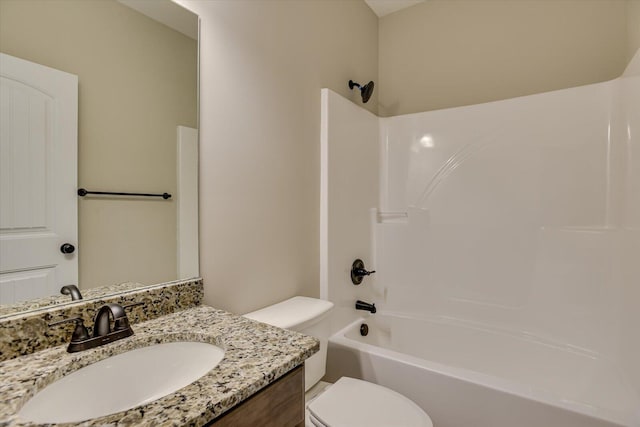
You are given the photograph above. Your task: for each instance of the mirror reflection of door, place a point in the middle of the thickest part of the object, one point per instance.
(38, 174)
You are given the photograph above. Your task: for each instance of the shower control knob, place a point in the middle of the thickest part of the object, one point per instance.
(67, 248)
(358, 272)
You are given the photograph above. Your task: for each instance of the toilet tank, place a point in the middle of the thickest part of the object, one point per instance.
(308, 316)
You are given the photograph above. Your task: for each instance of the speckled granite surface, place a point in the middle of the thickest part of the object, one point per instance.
(255, 355)
(25, 333)
(56, 300)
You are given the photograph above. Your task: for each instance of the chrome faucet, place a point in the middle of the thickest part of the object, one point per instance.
(71, 290)
(103, 333)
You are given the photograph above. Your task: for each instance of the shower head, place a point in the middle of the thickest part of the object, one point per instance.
(365, 91)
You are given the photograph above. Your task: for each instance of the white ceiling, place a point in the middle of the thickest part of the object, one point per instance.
(385, 7)
(168, 13)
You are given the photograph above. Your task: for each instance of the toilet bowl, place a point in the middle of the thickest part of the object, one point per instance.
(349, 402)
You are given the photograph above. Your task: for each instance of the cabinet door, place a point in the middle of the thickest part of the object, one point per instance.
(280, 404)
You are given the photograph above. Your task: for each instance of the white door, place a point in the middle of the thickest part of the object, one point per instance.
(38, 174)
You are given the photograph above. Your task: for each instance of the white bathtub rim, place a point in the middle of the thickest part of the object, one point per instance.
(542, 396)
(499, 330)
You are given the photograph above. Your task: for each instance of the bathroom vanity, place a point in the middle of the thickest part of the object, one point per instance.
(280, 404)
(260, 380)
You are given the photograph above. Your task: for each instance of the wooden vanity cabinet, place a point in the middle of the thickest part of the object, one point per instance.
(280, 404)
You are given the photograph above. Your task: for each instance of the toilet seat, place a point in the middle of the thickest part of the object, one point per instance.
(356, 403)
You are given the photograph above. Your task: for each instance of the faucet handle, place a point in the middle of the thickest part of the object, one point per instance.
(358, 272)
(80, 333)
(135, 304)
(123, 322)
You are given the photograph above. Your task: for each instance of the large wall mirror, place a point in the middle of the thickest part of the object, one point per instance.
(136, 63)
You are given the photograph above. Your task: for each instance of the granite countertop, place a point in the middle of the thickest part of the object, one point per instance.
(256, 354)
(54, 300)
(87, 294)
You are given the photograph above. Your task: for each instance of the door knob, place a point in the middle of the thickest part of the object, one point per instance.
(67, 248)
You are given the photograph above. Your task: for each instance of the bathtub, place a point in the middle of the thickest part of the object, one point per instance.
(467, 375)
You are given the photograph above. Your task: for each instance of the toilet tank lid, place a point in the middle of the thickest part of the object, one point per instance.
(292, 312)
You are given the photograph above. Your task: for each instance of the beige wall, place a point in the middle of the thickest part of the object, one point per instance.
(445, 53)
(137, 82)
(633, 27)
(263, 64)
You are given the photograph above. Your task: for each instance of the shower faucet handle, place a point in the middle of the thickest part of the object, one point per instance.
(358, 272)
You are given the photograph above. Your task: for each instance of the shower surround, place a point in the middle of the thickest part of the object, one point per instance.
(517, 219)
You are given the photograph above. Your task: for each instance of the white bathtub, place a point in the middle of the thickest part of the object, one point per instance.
(465, 375)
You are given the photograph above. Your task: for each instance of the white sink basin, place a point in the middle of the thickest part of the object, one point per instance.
(122, 382)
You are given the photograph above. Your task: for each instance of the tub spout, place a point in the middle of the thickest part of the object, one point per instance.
(361, 305)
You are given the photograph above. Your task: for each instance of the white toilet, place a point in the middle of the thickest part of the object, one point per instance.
(348, 402)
